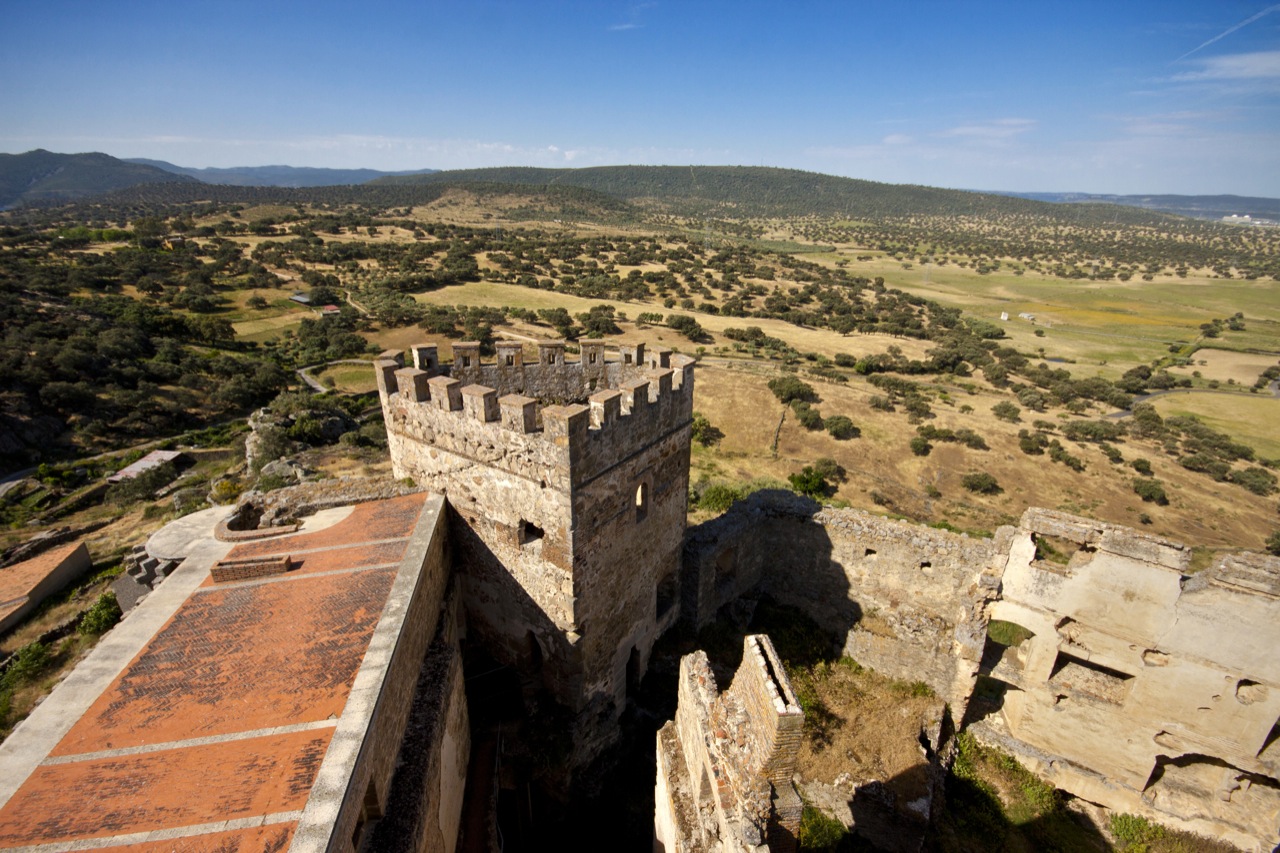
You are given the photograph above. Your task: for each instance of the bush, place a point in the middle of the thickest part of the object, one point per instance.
(809, 417)
(28, 663)
(789, 389)
(881, 404)
(718, 497)
(1141, 465)
(1132, 829)
(841, 427)
(703, 432)
(99, 618)
(1006, 411)
(1150, 491)
(1257, 480)
(819, 832)
(1273, 543)
(830, 469)
(920, 445)
(981, 483)
(809, 483)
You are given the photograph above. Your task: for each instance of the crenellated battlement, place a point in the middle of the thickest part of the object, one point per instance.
(584, 415)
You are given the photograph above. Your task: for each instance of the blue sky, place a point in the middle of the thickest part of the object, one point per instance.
(1125, 96)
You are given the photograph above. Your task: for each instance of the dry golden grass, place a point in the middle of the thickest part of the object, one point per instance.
(1251, 418)
(349, 378)
(885, 477)
(1226, 365)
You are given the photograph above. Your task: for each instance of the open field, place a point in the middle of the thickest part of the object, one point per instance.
(349, 378)
(805, 339)
(1251, 418)
(1229, 366)
(884, 476)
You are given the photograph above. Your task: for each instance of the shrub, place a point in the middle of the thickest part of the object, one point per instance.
(881, 404)
(809, 482)
(1273, 543)
(841, 427)
(718, 497)
(981, 483)
(920, 445)
(99, 618)
(1032, 444)
(28, 663)
(830, 469)
(1132, 829)
(809, 417)
(819, 832)
(788, 389)
(1006, 411)
(1150, 491)
(1141, 465)
(703, 432)
(1257, 480)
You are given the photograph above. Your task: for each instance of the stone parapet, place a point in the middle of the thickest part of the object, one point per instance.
(629, 406)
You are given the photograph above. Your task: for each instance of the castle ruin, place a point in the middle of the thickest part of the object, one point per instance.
(568, 482)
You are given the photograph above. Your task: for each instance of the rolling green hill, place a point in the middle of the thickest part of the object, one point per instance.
(738, 191)
(42, 176)
(276, 176)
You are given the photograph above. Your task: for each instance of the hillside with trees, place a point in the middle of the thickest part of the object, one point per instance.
(42, 176)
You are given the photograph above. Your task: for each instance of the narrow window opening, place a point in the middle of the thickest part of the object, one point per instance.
(642, 501)
(666, 594)
(511, 361)
(626, 358)
(591, 358)
(466, 361)
(633, 673)
(370, 812)
(530, 533)
(551, 358)
(535, 652)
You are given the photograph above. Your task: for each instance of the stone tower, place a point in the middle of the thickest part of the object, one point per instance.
(569, 484)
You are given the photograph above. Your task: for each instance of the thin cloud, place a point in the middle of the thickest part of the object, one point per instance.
(1263, 65)
(633, 15)
(1005, 128)
(1246, 22)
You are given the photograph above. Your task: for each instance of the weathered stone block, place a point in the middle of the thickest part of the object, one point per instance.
(412, 383)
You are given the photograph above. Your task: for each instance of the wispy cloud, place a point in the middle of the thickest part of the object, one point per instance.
(633, 18)
(1246, 22)
(1263, 65)
(998, 129)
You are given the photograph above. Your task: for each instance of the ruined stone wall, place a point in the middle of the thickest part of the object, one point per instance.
(907, 599)
(1143, 687)
(725, 762)
(566, 517)
(1152, 689)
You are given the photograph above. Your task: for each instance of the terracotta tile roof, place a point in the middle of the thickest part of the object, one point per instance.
(225, 714)
(19, 579)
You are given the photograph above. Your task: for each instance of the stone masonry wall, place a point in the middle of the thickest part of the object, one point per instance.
(908, 600)
(1155, 690)
(1143, 687)
(568, 504)
(725, 763)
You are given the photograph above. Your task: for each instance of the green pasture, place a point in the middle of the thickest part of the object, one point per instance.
(1250, 418)
(349, 378)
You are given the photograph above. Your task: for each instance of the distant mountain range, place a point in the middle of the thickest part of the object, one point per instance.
(40, 176)
(1194, 206)
(277, 176)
